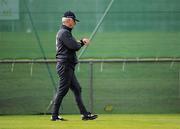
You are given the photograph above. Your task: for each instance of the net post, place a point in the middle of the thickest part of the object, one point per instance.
(12, 66)
(179, 83)
(91, 102)
(101, 69)
(31, 68)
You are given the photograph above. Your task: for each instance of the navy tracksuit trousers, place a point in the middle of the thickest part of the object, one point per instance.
(67, 81)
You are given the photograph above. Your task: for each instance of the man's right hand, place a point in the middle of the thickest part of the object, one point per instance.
(86, 41)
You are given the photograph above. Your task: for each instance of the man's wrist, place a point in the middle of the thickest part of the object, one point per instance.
(81, 42)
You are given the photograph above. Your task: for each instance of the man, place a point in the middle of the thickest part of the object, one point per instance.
(66, 47)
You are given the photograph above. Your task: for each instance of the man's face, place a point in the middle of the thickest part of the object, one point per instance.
(72, 22)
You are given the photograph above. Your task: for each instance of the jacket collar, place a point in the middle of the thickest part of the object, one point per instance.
(67, 28)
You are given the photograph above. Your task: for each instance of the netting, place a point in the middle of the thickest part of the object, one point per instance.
(131, 29)
(117, 88)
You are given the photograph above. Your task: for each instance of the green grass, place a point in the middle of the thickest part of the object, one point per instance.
(166, 121)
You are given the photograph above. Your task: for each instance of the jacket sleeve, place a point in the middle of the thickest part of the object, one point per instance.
(70, 42)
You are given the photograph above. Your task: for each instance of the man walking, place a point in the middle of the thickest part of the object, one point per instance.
(66, 47)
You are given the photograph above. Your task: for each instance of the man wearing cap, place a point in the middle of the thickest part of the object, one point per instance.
(66, 47)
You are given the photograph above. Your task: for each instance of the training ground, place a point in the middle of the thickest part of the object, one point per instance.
(108, 121)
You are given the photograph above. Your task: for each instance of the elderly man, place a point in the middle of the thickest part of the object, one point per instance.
(66, 47)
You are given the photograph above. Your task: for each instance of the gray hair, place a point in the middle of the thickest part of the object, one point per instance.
(64, 19)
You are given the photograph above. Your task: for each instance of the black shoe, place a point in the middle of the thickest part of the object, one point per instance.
(89, 116)
(58, 118)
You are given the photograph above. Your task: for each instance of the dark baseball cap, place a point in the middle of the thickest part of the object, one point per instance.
(70, 14)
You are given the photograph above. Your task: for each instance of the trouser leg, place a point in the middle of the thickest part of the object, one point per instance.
(75, 87)
(65, 74)
(62, 91)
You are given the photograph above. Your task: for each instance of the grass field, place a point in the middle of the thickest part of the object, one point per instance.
(121, 121)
